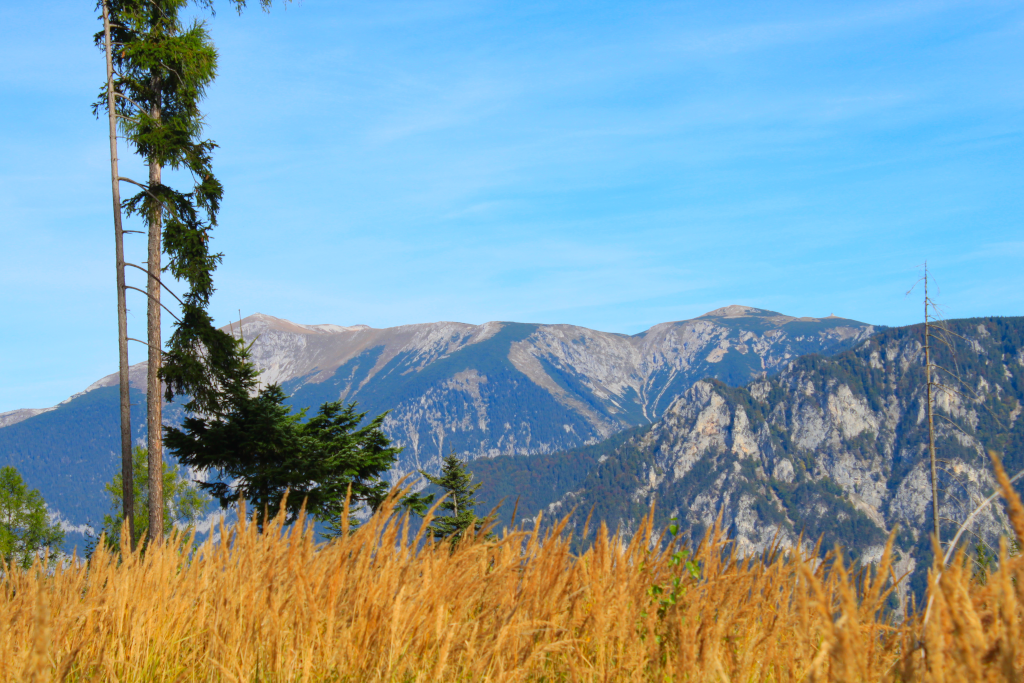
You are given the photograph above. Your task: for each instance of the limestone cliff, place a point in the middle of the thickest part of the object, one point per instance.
(832, 447)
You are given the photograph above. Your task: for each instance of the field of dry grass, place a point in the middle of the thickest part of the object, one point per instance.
(378, 605)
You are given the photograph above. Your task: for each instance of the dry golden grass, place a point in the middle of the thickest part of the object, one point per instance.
(370, 607)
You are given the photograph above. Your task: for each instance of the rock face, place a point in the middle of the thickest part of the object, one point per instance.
(515, 388)
(832, 447)
(484, 390)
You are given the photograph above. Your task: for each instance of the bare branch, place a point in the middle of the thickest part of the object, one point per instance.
(957, 378)
(146, 190)
(950, 421)
(973, 534)
(138, 340)
(949, 331)
(151, 297)
(157, 279)
(134, 182)
(916, 283)
(976, 398)
(944, 341)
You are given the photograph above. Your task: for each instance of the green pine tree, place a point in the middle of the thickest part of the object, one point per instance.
(24, 527)
(263, 450)
(460, 503)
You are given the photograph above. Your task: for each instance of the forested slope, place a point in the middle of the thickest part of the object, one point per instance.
(831, 447)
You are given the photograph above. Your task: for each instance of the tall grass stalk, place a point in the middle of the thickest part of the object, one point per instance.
(380, 605)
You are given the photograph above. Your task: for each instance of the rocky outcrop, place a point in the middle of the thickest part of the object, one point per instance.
(836, 448)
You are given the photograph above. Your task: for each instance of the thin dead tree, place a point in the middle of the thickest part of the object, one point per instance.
(928, 305)
(931, 422)
(935, 329)
(127, 493)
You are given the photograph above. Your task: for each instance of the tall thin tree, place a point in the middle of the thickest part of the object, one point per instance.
(931, 423)
(127, 495)
(157, 76)
(162, 68)
(928, 305)
(154, 403)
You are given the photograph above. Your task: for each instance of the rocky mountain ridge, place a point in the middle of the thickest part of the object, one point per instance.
(483, 390)
(830, 447)
(453, 381)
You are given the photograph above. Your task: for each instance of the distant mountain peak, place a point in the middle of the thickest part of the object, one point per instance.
(829, 448)
(736, 311)
(262, 320)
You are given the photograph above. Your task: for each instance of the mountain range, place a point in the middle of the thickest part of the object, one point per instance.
(501, 388)
(831, 447)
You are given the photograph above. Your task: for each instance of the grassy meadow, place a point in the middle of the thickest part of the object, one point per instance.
(380, 605)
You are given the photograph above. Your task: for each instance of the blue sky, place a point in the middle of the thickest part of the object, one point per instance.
(605, 164)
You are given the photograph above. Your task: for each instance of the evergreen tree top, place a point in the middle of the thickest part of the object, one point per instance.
(460, 503)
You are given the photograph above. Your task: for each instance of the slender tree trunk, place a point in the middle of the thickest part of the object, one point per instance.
(154, 394)
(127, 490)
(931, 426)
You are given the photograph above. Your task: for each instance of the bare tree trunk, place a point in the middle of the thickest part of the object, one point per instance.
(127, 476)
(931, 426)
(154, 394)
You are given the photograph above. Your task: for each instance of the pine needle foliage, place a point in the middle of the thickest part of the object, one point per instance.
(159, 65)
(260, 450)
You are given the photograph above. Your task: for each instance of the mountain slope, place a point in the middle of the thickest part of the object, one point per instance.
(830, 447)
(484, 390)
(505, 388)
(71, 451)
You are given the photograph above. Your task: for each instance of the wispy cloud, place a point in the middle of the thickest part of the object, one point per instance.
(604, 163)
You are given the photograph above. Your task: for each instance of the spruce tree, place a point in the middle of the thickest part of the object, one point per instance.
(259, 449)
(455, 481)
